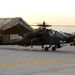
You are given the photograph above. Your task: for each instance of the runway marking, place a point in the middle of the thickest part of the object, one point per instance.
(41, 61)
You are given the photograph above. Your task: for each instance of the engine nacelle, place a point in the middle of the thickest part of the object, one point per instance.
(34, 40)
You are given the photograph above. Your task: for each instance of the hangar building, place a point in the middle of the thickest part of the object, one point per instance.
(12, 28)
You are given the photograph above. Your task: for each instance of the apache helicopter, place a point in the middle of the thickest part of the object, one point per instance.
(41, 37)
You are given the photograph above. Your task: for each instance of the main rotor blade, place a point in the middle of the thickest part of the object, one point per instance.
(55, 25)
(47, 25)
(44, 25)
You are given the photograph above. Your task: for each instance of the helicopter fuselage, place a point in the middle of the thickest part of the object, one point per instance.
(44, 37)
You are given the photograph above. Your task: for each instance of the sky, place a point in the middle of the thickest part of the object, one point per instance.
(53, 12)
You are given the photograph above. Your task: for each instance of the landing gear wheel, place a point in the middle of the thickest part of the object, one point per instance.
(46, 48)
(53, 48)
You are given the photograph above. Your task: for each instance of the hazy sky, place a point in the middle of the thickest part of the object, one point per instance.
(56, 12)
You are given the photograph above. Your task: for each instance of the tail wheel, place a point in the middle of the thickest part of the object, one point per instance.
(53, 48)
(46, 48)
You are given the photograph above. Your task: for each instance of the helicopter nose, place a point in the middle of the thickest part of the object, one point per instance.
(70, 39)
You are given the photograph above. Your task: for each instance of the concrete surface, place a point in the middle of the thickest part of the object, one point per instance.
(15, 60)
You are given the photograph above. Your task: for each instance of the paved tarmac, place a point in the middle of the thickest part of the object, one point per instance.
(15, 60)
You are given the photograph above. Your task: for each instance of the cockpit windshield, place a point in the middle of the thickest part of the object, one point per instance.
(63, 34)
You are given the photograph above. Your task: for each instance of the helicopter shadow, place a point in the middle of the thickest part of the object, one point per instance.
(39, 50)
